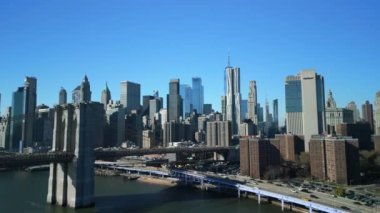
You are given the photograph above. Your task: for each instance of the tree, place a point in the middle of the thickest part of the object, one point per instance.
(340, 191)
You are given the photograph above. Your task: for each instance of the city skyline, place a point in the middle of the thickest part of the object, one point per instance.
(116, 49)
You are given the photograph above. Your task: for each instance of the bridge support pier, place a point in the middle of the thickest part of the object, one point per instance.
(75, 130)
(259, 198)
(282, 205)
(239, 193)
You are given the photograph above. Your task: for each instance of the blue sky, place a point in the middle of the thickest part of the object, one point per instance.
(150, 42)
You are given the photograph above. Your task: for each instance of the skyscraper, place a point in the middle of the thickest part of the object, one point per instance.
(377, 113)
(85, 91)
(197, 95)
(187, 97)
(223, 107)
(260, 113)
(23, 114)
(154, 107)
(106, 96)
(130, 95)
(243, 109)
(62, 96)
(252, 102)
(352, 106)
(174, 101)
(305, 100)
(367, 111)
(275, 113)
(233, 97)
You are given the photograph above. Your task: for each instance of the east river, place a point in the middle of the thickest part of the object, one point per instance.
(26, 192)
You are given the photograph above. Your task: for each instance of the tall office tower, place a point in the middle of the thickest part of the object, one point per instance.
(187, 97)
(114, 130)
(106, 97)
(268, 115)
(17, 117)
(133, 127)
(85, 91)
(5, 129)
(75, 94)
(252, 102)
(377, 113)
(335, 115)
(305, 101)
(145, 107)
(223, 107)
(207, 109)
(334, 159)
(243, 110)
(155, 106)
(218, 133)
(352, 106)
(198, 98)
(43, 126)
(275, 113)
(367, 111)
(260, 113)
(174, 101)
(62, 96)
(23, 115)
(130, 95)
(30, 88)
(233, 97)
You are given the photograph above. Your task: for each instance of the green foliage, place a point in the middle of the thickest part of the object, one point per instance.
(340, 191)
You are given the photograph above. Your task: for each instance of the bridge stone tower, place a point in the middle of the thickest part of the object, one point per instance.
(78, 128)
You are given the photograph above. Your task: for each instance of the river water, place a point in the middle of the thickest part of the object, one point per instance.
(26, 192)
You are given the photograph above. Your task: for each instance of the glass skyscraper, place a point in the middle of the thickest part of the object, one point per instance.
(197, 95)
(186, 94)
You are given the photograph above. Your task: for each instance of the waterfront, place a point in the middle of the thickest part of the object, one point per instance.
(26, 192)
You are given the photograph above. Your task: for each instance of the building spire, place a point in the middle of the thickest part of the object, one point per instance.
(229, 58)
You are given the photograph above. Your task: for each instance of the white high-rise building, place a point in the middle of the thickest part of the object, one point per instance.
(252, 102)
(377, 113)
(305, 101)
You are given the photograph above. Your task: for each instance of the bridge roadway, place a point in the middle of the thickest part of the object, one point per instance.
(14, 160)
(198, 178)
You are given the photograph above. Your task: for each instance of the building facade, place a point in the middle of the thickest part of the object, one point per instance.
(197, 95)
(233, 98)
(252, 102)
(352, 106)
(105, 96)
(174, 101)
(219, 133)
(377, 113)
(130, 95)
(187, 96)
(335, 115)
(335, 159)
(367, 114)
(305, 101)
(62, 96)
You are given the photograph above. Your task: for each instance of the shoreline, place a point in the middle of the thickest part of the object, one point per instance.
(173, 182)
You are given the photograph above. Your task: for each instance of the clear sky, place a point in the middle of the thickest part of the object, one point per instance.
(150, 42)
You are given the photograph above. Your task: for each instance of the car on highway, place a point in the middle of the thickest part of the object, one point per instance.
(345, 208)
